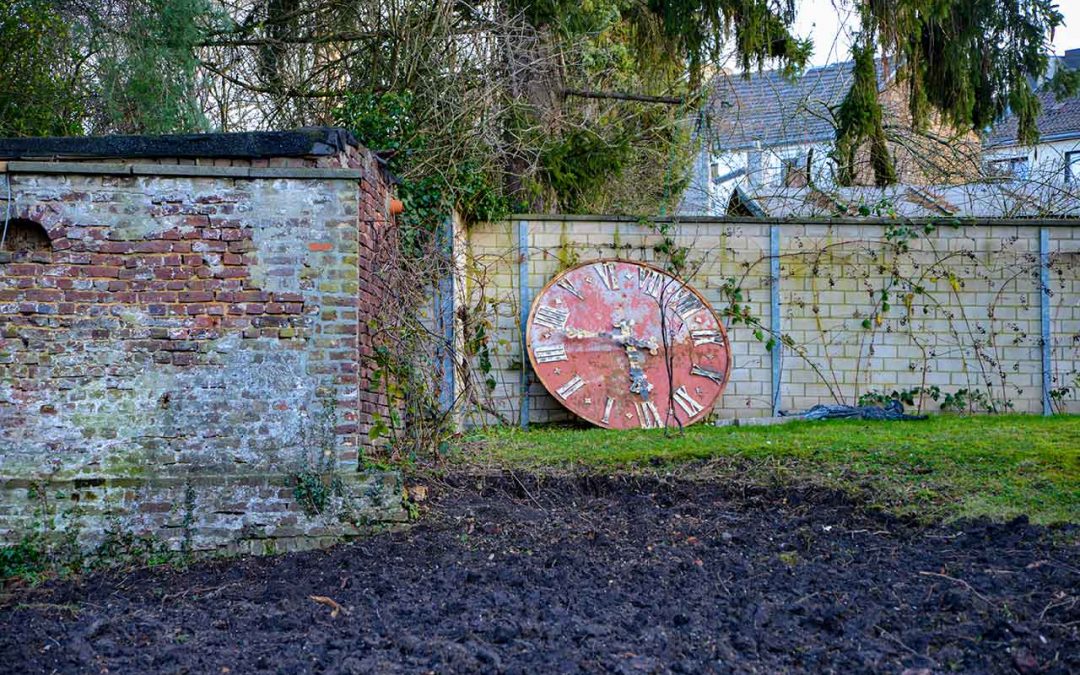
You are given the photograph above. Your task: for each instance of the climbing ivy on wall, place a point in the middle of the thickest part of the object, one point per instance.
(388, 122)
(408, 357)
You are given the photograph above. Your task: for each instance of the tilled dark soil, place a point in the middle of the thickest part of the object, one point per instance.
(601, 575)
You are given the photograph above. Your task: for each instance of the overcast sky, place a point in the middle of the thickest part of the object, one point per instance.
(822, 21)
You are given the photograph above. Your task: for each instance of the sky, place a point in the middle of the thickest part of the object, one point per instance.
(822, 21)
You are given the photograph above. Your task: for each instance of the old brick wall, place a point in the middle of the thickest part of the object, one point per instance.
(187, 344)
(975, 326)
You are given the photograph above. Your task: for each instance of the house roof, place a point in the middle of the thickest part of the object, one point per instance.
(770, 109)
(1058, 119)
(1071, 59)
(999, 199)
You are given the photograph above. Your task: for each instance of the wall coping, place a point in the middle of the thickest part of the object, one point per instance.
(307, 142)
(1027, 221)
(178, 170)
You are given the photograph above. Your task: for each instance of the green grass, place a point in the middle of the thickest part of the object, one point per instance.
(943, 468)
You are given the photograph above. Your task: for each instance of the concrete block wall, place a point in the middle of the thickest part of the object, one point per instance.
(1064, 291)
(168, 357)
(964, 306)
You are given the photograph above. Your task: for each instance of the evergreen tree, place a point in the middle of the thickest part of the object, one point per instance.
(969, 61)
(40, 84)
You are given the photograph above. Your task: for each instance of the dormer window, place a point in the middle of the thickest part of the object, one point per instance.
(793, 171)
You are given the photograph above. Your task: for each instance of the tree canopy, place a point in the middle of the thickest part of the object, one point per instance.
(969, 61)
(490, 105)
(40, 80)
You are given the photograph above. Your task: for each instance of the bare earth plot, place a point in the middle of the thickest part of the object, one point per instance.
(514, 573)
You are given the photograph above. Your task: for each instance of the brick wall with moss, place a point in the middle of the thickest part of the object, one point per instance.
(180, 347)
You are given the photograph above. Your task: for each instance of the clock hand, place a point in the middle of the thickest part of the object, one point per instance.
(579, 334)
(639, 382)
(649, 345)
(644, 345)
(625, 337)
(635, 348)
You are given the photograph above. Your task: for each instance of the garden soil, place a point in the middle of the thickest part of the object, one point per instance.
(515, 573)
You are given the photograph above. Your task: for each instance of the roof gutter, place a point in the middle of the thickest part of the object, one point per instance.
(730, 176)
(758, 145)
(1049, 138)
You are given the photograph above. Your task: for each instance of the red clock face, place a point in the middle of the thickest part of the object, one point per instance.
(601, 344)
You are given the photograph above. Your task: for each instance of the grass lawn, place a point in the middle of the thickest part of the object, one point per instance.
(946, 467)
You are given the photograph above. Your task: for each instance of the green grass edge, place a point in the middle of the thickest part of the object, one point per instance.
(944, 468)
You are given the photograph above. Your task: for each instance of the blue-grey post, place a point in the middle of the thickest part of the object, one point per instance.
(444, 298)
(526, 301)
(1044, 317)
(774, 313)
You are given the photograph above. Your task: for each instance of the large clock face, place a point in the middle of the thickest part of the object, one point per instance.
(624, 345)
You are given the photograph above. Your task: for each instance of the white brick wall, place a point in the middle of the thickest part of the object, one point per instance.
(945, 339)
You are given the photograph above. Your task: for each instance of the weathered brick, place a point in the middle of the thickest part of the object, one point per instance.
(154, 339)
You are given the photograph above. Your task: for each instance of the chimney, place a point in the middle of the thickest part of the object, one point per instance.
(1072, 58)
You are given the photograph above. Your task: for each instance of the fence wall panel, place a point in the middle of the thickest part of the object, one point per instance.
(946, 313)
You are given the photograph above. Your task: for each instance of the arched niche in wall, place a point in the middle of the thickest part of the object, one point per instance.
(23, 239)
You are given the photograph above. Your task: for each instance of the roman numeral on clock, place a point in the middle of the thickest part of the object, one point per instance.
(650, 282)
(569, 287)
(714, 375)
(552, 317)
(550, 354)
(606, 272)
(686, 402)
(606, 419)
(570, 387)
(706, 336)
(686, 304)
(648, 415)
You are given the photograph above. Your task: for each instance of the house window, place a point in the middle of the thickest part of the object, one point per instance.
(793, 171)
(1015, 167)
(1072, 167)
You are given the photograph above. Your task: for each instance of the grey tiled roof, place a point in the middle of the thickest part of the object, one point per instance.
(1057, 119)
(1071, 58)
(773, 110)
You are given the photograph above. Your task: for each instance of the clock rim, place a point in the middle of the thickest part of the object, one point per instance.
(686, 284)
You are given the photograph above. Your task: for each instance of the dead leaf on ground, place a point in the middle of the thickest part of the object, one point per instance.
(417, 493)
(331, 603)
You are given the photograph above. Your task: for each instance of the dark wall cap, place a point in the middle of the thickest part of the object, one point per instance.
(307, 142)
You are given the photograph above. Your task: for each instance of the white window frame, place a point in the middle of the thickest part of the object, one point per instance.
(1072, 166)
(1010, 164)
